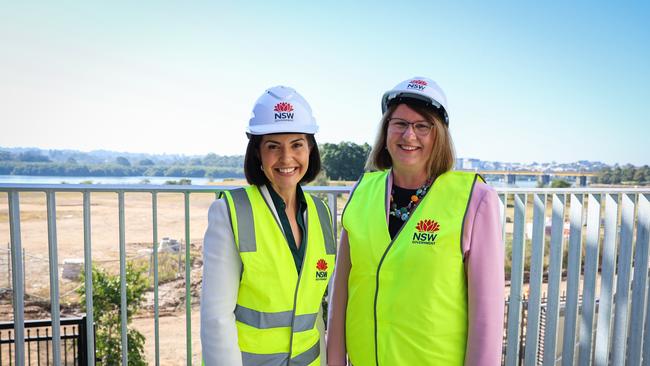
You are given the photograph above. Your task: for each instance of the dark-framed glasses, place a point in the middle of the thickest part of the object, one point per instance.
(421, 128)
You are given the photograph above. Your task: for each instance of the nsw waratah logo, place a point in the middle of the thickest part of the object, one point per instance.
(283, 112)
(417, 84)
(321, 270)
(426, 232)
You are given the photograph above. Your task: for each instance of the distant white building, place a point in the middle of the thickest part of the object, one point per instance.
(471, 164)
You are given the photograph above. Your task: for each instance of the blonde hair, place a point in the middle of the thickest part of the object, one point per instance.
(442, 157)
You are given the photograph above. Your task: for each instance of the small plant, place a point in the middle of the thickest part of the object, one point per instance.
(106, 310)
(559, 183)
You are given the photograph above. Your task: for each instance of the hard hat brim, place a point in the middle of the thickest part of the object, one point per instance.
(281, 127)
(423, 100)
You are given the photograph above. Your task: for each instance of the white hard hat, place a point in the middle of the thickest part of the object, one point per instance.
(419, 90)
(281, 110)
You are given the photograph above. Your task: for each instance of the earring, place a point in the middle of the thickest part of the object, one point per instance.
(262, 167)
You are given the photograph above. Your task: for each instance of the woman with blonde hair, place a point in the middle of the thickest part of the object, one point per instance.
(420, 275)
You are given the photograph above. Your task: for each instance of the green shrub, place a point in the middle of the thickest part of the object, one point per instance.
(106, 310)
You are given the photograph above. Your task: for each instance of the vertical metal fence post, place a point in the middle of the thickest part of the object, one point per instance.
(24, 273)
(9, 270)
(503, 198)
(188, 280)
(88, 282)
(535, 279)
(639, 283)
(18, 279)
(516, 279)
(573, 280)
(156, 325)
(54, 277)
(624, 269)
(554, 279)
(123, 306)
(644, 231)
(331, 200)
(603, 326)
(589, 288)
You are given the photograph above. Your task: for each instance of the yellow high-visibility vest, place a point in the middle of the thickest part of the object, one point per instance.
(276, 307)
(407, 297)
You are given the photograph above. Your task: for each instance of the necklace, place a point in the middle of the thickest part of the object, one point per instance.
(403, 213)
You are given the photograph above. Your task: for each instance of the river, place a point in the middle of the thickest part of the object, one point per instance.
(35, 179)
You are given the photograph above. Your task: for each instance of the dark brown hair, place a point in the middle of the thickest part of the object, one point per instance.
(253, 161)
(442, 157)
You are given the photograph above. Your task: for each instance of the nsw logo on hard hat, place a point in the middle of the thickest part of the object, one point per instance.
(426, 232)
(417, 84)
(321, 270)
(283, 112)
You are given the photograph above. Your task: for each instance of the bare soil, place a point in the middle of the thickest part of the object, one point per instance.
(105, 253)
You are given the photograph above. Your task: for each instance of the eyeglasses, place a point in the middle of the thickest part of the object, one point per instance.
(421, 128)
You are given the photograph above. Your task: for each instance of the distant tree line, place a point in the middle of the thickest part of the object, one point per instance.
(116, 170)
(342, 161)
(621, 175)
(35, 163)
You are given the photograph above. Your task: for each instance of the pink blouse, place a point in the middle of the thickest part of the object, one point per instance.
(484, 266)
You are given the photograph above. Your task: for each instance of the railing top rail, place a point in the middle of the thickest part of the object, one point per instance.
(6, 187)
(37, 323)
(593, 190)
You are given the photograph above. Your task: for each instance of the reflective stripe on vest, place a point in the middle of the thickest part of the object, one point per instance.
(326, 225)
(246, 237)
(281, 359)
(407, 297)
(262, 320)
(277, 308)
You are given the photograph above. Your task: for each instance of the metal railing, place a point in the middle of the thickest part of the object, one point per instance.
(575, 237)
(38, 342)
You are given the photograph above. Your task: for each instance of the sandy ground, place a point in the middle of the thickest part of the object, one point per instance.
(172, 337)
(105, 253)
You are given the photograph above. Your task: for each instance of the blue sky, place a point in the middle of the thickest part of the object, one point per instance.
(552, 81)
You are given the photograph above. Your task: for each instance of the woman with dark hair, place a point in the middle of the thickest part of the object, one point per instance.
(269, 249)
(420, 275)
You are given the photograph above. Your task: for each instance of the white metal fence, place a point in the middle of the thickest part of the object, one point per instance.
(576, 269)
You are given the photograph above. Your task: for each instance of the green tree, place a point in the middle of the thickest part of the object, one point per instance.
(121, 160)
(106, 310)
(345, 160)
(33, 156)
(559, 183)
(628, 172)
(211, 159)
(617, 175)
(646, 172)
(146, 162)
(5, 155)
(639, 176)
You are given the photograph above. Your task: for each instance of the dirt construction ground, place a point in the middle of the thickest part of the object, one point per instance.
(105, 253)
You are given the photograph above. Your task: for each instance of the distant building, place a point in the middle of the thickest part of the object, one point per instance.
(471, 164)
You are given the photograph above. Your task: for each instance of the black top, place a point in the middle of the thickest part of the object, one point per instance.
(280, 206)
(401, 197)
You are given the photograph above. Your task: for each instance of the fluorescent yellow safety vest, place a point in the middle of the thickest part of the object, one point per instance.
(277, 308)
(407, 297)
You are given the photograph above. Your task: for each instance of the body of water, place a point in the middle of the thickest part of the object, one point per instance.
(34, 179)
